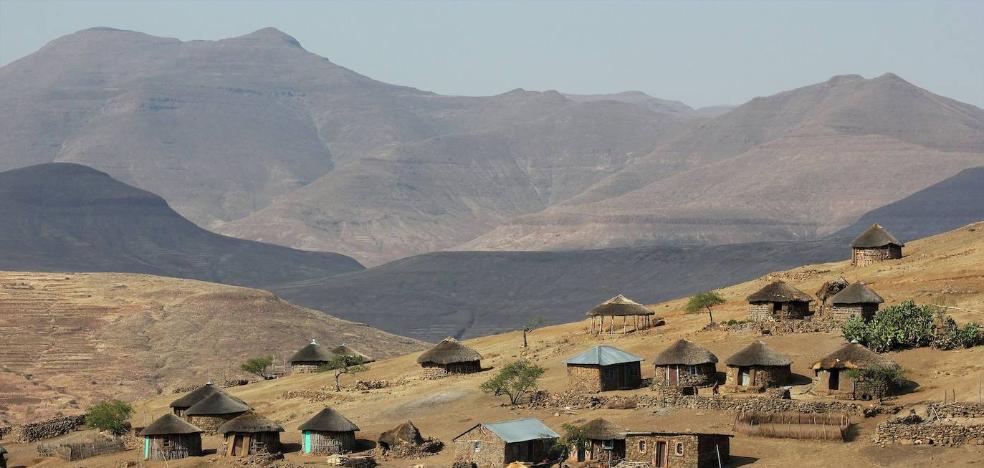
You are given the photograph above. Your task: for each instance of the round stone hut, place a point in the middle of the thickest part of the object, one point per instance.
(171, 438)
(310, 358)
(451, 356)
(832, 374)
(875, 245)
(182, 404)
(328, 432)
(603, 368)
(685, 364)
(757, 367)
(344, 350)
(604, 442)
(214, 411)
(620, 307)
(856, 299)
(250, 433)
(778, 301)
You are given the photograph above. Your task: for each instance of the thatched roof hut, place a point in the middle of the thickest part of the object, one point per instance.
(182, 404)
(343, 350)
(215, 410)
(856, 293)
(621, 306)
(452, 356)
(685, 364)
(830, 288)
(605, 441)
(405, 433)
(250, 433)
(759, 366)
(328, 432)
(778, 301)
(875, 245)
(602, 429)
(831, 378)
(170, 438)
(310, 357)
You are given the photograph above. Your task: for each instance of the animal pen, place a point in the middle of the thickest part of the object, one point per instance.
(80, 450)
(791, 425)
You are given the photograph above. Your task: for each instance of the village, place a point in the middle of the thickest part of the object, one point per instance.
(648, 404)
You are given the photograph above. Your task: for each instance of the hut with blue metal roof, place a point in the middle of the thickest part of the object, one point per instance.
(603, 368)
(497, 444)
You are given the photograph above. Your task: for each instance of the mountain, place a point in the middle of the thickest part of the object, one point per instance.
(941, 207)
(800, 164)
(641, 99)
(466, 294)
(72, 339)
(68, 217)
(256, 137)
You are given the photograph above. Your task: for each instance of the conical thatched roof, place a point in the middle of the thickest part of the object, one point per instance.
(312, 352)
(619, 306)
(169, 424)
(405, 433)
(857, 293)
(216, 404)
(603, 429)
(343, 350)
(875, 236)
(684, 352)
(853, 356)
(779, 291)
(195, 396)
(249, 422)
(449, 351)
(758, 354)
(328, 420)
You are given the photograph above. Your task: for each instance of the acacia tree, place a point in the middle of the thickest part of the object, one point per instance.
(515, 380)
(704, 301)
(109, 415)
(344, 364)
(532, 324)
(257, 366)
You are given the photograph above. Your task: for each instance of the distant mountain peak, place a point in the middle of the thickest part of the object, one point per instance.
(271, 35)
(838, 79)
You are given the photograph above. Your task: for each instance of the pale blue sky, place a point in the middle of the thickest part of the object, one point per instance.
(700, 53)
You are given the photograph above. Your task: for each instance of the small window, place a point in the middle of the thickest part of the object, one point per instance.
(679, 448)
(608, 444)
(642, 446)
(477, 446)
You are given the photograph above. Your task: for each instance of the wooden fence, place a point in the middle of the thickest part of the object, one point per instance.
(789, 425)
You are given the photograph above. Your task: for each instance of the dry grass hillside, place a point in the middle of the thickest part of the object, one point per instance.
(69, 338)
(950, 265)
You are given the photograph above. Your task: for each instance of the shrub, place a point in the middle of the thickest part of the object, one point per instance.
(703, 302)
(901, 326)
(110, 415)
(878, 380)
(257, 366)
(343, 364)
(855, 329)
(515, 380)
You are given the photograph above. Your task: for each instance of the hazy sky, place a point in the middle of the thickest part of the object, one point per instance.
(700, 53)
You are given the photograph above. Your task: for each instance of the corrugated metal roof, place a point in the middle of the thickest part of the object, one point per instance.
(603, 356)
(521, 430)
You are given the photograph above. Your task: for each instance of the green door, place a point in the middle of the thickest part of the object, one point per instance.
(307, 442)
(146, 448)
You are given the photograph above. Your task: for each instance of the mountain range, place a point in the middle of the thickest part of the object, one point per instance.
(257, 138)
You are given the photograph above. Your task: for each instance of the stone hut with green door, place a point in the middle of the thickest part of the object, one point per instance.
(778, 301)
(685, 364)
(875, 245)
(171, 438)
(498, 444)
(757, 367)
(328, 433)
(603, 368)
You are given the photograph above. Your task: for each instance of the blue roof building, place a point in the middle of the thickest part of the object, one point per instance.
(603, 368)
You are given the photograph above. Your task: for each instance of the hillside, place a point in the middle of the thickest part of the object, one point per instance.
(468, 294)
(255, 137)
(68, 217)
(950, 265)
(73, 338)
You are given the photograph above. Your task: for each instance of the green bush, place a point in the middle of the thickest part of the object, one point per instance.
(257, 366)
(901, 326)
(878, 381)
(110, 415)
(515, 380)
(951, 336)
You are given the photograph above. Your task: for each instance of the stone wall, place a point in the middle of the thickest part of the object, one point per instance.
(672, 397)
(842, 312)
(863, 257)
(928, 433)
(761, 378)
(584, 379)
(304, 368)
(47, 429)
(760, 311)
(705, 375)
(481, 447)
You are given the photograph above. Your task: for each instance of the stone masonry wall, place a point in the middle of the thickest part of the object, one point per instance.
(47, 429)
(864, 257)
(586, 379)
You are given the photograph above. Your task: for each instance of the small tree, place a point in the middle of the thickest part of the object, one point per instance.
(515, 380)
(257, 366)
(574, 436)
(878, 381)
(532, 324)
(704, 301)
(109, 415)
(344, 364)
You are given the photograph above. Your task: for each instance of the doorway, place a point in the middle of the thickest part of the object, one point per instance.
(744, 376)
(659, 454)
(834, 380)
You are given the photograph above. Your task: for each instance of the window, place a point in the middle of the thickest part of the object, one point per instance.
(679, 448)
(608, 444)
(477, 446)
(642, 446)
